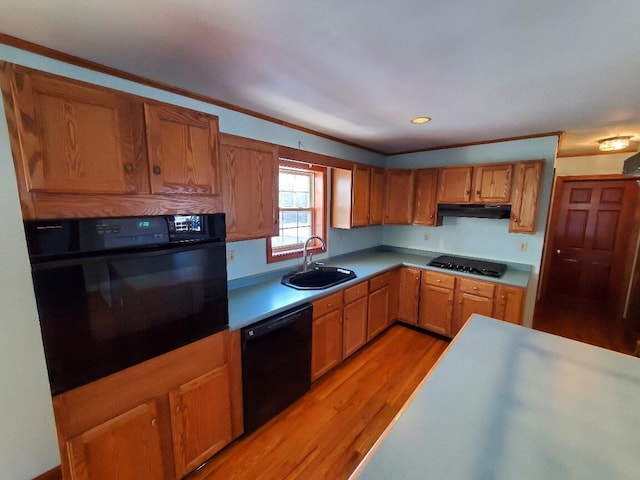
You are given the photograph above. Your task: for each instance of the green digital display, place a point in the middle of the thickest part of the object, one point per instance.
(144, 224)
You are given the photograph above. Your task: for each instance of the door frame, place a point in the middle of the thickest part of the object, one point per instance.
(632, 241)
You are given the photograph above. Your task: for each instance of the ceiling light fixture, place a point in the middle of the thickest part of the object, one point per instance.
(419, 120)
(613, 143)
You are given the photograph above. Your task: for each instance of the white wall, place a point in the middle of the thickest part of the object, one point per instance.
(610, 163)
(486, 238)
(28, 444)
(27, 430)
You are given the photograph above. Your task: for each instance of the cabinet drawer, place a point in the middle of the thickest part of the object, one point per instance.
(476, 287)
(380, 281)
(439, 279)
(355, 292)
(327, 304)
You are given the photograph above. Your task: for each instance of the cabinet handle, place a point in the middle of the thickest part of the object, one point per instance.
(154, 422)
(128, 167)
(157, 170)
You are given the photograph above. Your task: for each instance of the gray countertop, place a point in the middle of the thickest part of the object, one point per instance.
(507, 402)
(256, 302)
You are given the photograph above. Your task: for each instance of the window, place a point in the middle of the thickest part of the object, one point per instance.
(301, 210)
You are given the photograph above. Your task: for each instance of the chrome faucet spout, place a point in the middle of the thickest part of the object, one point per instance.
(306, 258)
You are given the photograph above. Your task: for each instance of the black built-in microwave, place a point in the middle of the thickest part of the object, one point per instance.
(113, 292)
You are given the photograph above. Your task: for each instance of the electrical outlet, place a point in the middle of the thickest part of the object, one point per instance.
(426, 236)
(523, 246)
(231, 256)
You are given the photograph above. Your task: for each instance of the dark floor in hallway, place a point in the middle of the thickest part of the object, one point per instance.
(588, 323)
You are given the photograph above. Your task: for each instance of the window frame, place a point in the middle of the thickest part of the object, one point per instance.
(319, 226)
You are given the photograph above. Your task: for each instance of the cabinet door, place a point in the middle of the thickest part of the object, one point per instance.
(492, 183)
(424, 199)
(524, 210)
(200, 419)
(399, 197)
(377, 316)
(376, 196)
(508, 304)
(326, 348)
(354, 331)
(436, 308)
(466, 305)
(182, 147)
(360, 196)
(126, 447)
(249, 187)
(77, 138)
(409, 295)
(454, 184)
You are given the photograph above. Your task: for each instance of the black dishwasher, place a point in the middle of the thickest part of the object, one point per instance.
(276, 364)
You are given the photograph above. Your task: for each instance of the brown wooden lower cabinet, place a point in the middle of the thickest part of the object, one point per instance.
(126, 447)
(472, 296)
(509, 302)
(326, 347)
(378, 311)
(409, 295)
(436, 302)
(354, 327)
(200, 420)
(159, 419)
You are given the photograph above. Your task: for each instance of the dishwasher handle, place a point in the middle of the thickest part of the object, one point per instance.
(276, 322)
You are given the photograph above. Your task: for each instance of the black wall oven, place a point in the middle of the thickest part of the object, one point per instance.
(114, 292)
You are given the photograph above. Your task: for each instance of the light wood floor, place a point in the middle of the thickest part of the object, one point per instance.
(326, 434)
(586, 323)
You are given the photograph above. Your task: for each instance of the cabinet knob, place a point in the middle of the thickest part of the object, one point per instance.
(157, 170)
(558, 251)
(328, 304)
(438, 280)
(154, 422)
(475, 288)
(477, 192)
(178, 409)
(467, 192)
(128, 167)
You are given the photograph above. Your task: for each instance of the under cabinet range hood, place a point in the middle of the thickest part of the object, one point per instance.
(471, 210)
(632, 165)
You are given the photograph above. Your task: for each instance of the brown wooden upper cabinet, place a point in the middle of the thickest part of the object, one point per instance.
(182, 147)
(398, 209)
(74, 137)
(490, 183)
(524, 210)
(249, 187)
(454, 184)
(85, 150)
(357, 196)
(425, 210)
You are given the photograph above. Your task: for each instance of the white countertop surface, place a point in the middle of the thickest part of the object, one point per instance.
(510, 403)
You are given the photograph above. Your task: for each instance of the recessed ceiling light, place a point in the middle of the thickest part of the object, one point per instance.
(419, 120)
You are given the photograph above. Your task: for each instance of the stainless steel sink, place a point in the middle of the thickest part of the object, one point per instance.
(318, 278)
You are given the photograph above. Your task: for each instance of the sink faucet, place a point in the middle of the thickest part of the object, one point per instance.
(307, 258)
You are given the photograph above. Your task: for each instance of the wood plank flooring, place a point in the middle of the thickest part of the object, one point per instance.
(325, 434)
(586, 322)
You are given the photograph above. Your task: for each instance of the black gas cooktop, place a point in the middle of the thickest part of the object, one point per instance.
(469, 265)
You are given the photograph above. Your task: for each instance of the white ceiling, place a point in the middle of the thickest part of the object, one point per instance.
(360, 69)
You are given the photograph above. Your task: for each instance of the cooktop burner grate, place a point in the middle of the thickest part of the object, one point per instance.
(469, 265)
